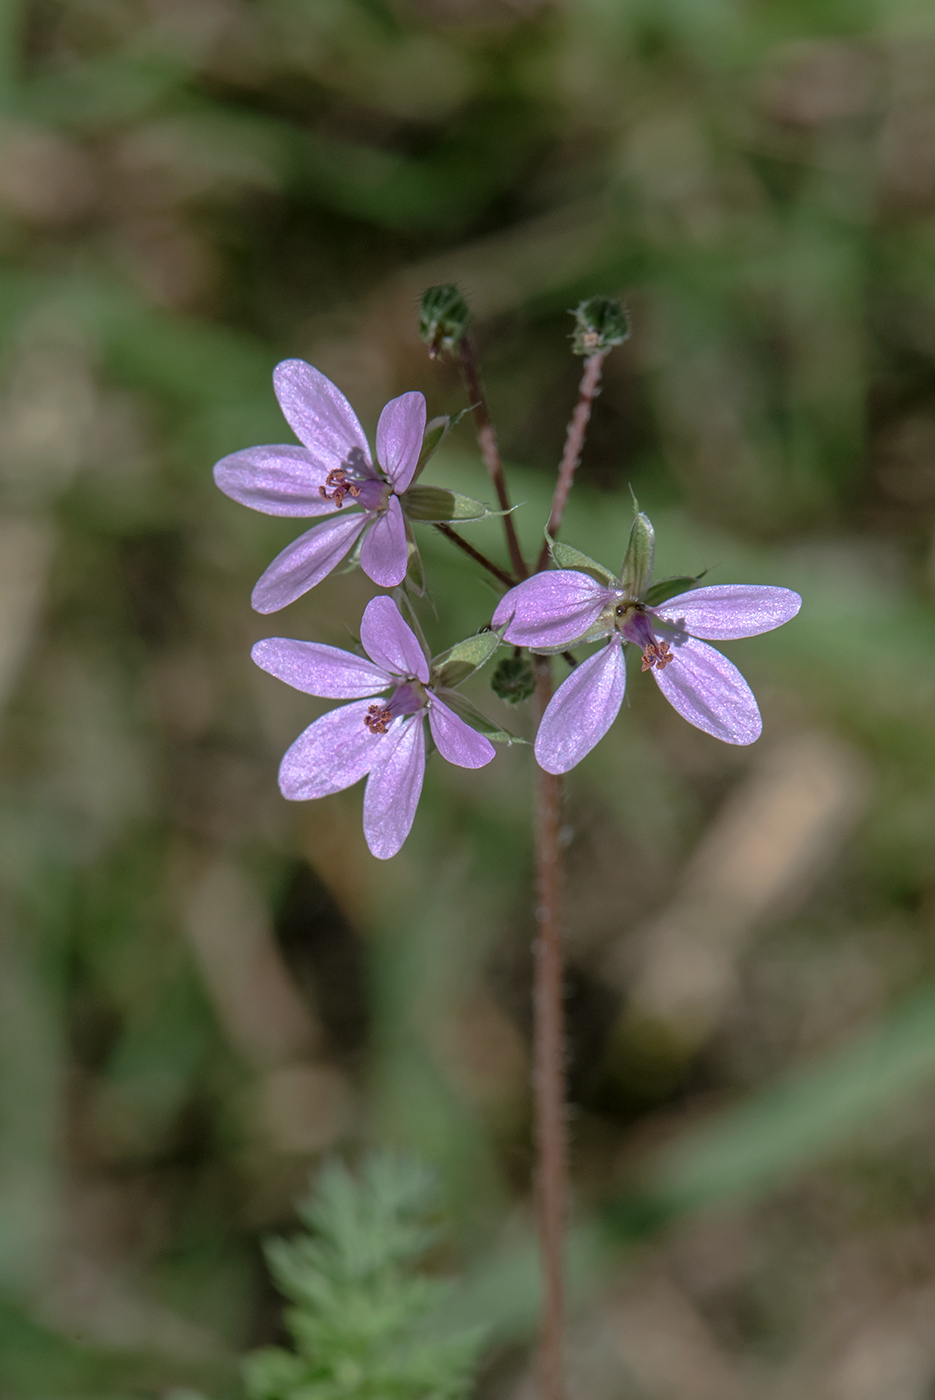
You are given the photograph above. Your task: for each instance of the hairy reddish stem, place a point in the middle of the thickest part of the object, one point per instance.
(574, 444)
(487, 442)
(475, 554)
(549, 1059)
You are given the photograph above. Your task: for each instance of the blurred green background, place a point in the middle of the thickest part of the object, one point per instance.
(203, 988)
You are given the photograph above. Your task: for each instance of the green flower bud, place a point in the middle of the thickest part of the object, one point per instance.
(600, 324)
(443, 318)
(513, 680)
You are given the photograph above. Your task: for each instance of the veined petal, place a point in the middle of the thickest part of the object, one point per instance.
(457, 741)
(317, 669)
(710, 693)
(390, 642)
(331, 754)
(582, 709)
(306, 561)
(730, 610)
(275, 480)
(399, 438)
(320, 415)
(384, 555)
(394, 787)
(552, 609)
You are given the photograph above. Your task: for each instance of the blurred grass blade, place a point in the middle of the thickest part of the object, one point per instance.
(791, 1125)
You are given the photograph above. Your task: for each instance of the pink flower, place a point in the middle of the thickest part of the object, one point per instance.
(332, 474)
(554, 609)
(384, 737)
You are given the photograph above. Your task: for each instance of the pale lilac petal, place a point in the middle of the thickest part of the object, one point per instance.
(320, 415)
(390, 642)
(275, 480)
(394, 787)
(582, 709)
(731, 610)
(399, 438)
(384, 555)
(317, 669)
(710, 693)
(457, 741)
(305, 562)
(333, 753)
(552, 609)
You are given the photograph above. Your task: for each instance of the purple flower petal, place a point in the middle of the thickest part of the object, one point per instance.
(399, 438)
(319, 670)
(390, 642)
(331, 754)
(457, 741)
(384, 555)
(552, 609)
(275, 480)
(320, 415)
(710, 693)
(731, 610)
(582, 709)
(394, 787)
(305, 562)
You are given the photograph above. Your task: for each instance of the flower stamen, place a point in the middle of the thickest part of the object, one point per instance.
(377, 718)
(656, 654)
(341, 487)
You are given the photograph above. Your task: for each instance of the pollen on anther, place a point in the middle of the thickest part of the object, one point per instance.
(341, 487)
(656, 654)
(377, 719)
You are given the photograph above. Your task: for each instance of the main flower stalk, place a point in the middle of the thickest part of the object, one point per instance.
(549, 1059)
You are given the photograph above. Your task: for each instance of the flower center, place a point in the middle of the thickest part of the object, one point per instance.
(340, 487)
(633, 624)
(407, 699)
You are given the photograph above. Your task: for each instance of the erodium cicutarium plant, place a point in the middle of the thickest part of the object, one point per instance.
(396, 696)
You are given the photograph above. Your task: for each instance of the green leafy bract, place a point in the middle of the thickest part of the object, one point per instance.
(638, 561)
(435, 433)
(670, 588)
(434, 503)
(478, 720)
(452, 667)
(567, 557)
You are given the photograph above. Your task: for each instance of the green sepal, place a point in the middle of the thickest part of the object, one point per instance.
(434, 504)
(595, 633)
(435, 433)
(415, 575)
(452, 667)
(352, 560)
(567, 557)
(638, 561)
(669, 588)
(473, 716)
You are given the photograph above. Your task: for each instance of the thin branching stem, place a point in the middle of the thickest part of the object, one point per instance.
(487, 442)
(549, 1059)
(475, 554)
(574, 444)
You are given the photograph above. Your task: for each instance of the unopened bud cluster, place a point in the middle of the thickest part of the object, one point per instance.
(443, 318)
(513, 680)
(600, 324)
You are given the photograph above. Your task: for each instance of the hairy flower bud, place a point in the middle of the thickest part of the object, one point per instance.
(443, 318)
(600, 324)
